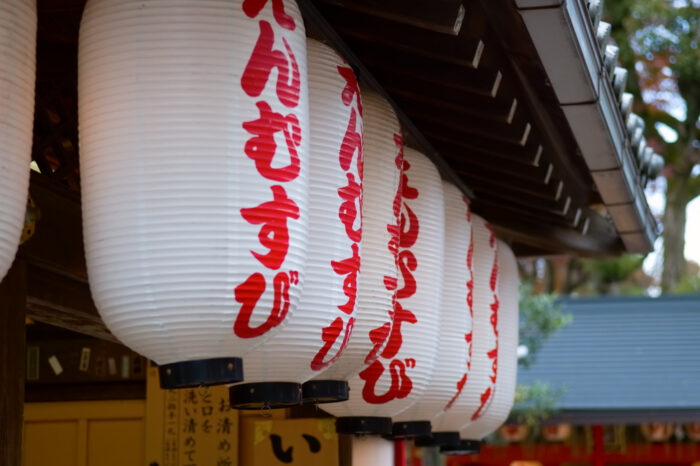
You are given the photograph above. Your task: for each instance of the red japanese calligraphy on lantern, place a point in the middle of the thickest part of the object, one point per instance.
(262, 148)
(394, 228)
(488, 394)
(273, 215)
(274, 234)
(408, 229)
(261, 64)
(248, 294)
(253, 7)
(470, 300)
(329, 335)
(350, 216)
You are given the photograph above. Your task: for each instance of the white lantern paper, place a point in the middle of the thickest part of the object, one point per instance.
(421, 256)
(316, 334)
(497, 413)
(377, 282)
(17, 77)
(446, 408)
(194, 161)
(477, 394)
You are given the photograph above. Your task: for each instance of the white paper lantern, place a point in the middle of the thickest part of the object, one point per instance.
(441, 401)
(194, 161)
(421, 256)
(383, 161)
(17, 78)
(477, 393)
(316, 334)
(497, 412)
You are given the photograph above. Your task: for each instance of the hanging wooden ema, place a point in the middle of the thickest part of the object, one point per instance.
(320, 327)
(194, 135)
(18, 23)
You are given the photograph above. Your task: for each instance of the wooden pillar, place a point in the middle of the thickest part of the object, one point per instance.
(598, 446)
(12, 366)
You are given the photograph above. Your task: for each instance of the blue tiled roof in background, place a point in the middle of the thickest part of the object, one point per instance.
(624, 353)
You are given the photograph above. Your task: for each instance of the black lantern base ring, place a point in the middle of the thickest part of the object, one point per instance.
(325, 391)
(439, 439)
(465, 447)
(265, 395)
(203, 372)
(364, 425)
(412, 429)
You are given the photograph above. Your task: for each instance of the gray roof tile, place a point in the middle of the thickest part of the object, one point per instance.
(624, 353)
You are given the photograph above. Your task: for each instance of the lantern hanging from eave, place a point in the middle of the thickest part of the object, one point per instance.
(316, 334)
(477, 393)
(498, 410)
(18, 22)
(378, 279)
(452, 366)
(415, 337)
(194, 166)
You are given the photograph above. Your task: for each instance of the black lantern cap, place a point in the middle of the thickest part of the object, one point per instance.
(439, 439)
(465, 447)
(325, 391)
(265, 395)
(363, 425)
(411, 429)
(187, 374)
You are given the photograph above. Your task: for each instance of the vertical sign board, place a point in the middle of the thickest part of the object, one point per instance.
(189, 427)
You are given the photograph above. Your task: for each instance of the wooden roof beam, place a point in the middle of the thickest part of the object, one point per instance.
(443, 16)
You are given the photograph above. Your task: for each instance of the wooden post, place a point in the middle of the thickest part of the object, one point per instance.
(598, 446)
(12, 365)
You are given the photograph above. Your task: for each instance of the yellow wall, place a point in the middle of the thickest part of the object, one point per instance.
(87, 433)
(191, 427)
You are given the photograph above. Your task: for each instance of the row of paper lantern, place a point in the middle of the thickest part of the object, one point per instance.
(244, 201)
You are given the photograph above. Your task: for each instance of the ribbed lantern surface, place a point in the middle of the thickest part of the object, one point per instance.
(451, 372)
(320, 327)
(477, 394)
(17, 77)
(194, 160)
(497, 413)
(377, 282)
(383, 159)
(412, 350)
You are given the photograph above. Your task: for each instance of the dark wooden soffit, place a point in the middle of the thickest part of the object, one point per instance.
(56, 275)
(480, 97)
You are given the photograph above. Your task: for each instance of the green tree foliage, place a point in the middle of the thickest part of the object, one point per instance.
(617, 276)
(660, 39)
(540, 316)
(535, 403)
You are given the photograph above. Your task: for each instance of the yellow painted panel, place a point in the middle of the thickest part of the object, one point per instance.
(270, 442)
(116, 442)
(86, 433)
(190, 427)
(52, 443)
